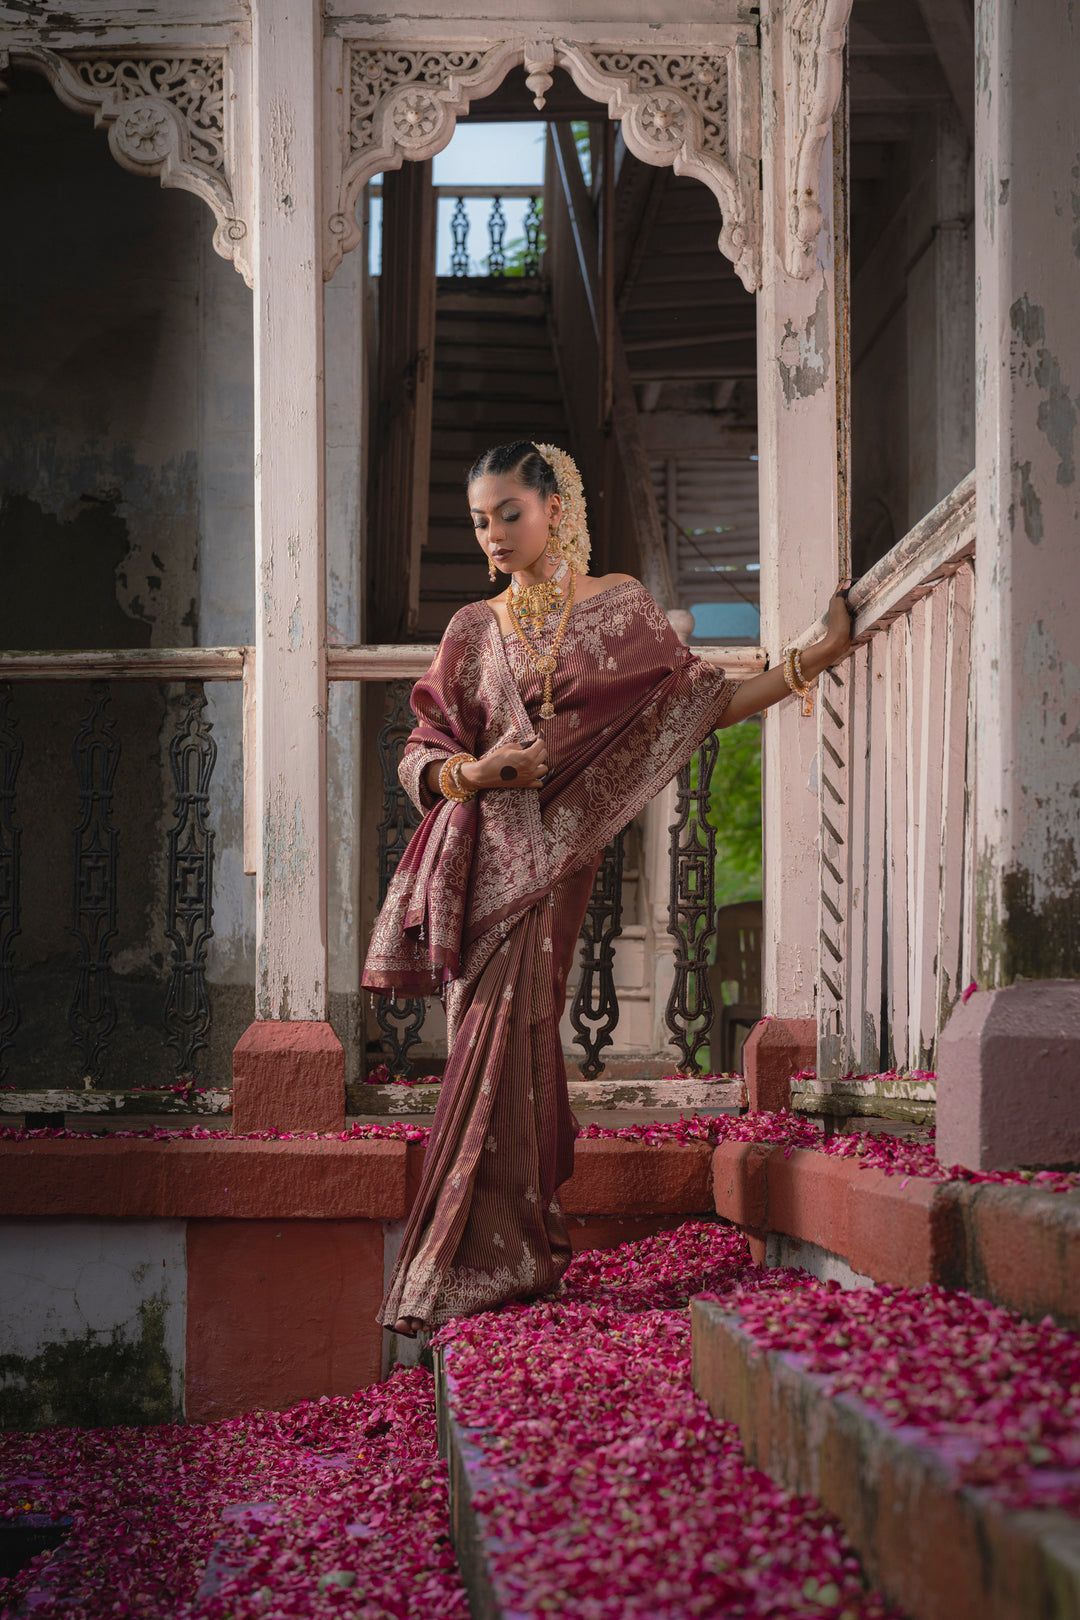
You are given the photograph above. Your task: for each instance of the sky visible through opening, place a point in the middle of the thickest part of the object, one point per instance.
(479, 155)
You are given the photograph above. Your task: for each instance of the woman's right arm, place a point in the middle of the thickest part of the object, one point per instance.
(508, 767)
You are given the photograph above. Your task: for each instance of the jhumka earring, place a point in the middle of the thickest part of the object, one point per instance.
(491, 569)
(553, 545)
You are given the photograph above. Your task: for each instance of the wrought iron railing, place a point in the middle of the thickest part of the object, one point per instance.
(186, 1010)
(519, 257)
(96, 876)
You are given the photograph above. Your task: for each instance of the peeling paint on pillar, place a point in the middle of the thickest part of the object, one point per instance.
(803, 361)
(1026, 498)
(288, 873)
(1056, 417)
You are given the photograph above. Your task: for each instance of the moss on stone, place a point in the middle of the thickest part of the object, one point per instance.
(94, 1381)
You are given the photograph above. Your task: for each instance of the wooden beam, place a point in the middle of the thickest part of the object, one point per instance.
(952, 29)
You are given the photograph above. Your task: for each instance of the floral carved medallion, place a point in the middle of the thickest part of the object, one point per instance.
(164, 115)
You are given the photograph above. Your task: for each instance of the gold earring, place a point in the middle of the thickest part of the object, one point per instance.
(491, 569)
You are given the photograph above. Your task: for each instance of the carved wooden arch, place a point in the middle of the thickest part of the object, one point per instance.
(697, 112)
(165, 115)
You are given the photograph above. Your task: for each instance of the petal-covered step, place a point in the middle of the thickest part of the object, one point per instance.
(587, 1479)
(941, 1430)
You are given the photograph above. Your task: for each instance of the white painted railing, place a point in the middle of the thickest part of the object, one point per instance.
(896, 783)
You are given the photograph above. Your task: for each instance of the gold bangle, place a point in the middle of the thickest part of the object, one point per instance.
(450, 783)
(793, 672)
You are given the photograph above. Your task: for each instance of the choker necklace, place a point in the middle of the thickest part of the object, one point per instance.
(543, 662)
(535, 602)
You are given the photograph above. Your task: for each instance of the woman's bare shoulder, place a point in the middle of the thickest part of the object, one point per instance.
(592, 584)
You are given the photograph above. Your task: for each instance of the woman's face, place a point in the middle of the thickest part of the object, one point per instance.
(512, 523)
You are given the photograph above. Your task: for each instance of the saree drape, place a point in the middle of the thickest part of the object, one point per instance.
(487, 904)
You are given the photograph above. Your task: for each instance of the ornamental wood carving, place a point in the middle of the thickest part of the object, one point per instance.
(698, 113)
(814, 36)
(165, 116)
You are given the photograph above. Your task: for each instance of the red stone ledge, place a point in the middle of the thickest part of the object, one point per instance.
(882, 1225)
(1016, 1245)
(937, 1548)
(366, 1178)
(237, 1179)
(1019, 1246)
(613, 1177)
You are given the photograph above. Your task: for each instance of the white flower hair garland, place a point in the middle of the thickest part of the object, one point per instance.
(572, 536)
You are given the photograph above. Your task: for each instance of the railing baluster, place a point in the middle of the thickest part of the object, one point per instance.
(533, 226)
(497, 237)
(400, 1022)
(692, 908)
(190, 893)
(833, 796)
(596, 1000)
(92, 1016)
(11, 751)
(459, 228)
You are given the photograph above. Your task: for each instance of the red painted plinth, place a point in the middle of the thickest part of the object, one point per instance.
(775, 1049)
(288, 1077)
(1008, 1062)
(280, 1312)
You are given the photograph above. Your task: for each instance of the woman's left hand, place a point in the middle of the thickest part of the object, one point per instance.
(841, 619)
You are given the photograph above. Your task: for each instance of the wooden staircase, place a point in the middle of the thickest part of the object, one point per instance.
(496, 380)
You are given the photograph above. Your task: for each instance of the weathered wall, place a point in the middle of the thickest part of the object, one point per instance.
(100, 531)
(126, 484)
(94, 1321)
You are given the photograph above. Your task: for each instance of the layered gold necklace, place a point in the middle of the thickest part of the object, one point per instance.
(535, 602)
(524, 604)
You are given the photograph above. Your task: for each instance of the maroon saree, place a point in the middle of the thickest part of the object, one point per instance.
(487, 904)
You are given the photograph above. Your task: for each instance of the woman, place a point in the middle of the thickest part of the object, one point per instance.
(551, 715)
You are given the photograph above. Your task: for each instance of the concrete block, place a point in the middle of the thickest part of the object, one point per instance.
(740, 1182)
(280, 1311)
(637, 1178)
(1008, 1064)
(1021, 1248)
(288, 1077)
(940, 1550)
(776, 1049)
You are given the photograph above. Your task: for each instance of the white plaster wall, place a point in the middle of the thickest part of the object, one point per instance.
(820, 1263)
(64, 1279)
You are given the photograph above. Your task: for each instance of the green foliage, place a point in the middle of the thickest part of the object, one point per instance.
(584, 147)
(735, 812)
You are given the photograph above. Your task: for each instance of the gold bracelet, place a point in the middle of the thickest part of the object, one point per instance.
(450, 783)
(793, 674)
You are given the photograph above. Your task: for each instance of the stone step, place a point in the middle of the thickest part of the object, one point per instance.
(938, 1548)
(60, 1100)
(641, 1091)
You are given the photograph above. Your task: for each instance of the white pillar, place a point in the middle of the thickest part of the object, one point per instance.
(797, 451)
(1008, 1091)
(285, 1068)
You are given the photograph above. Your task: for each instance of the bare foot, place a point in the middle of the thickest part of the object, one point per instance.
(407, 1327)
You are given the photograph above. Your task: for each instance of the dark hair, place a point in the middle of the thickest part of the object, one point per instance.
(521, 459)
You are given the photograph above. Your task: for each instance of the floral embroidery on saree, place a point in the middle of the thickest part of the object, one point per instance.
(468, 911)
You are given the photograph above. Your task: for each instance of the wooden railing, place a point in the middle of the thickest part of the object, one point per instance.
(896, 782)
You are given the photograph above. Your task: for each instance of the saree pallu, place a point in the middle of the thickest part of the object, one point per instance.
(486, 906)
